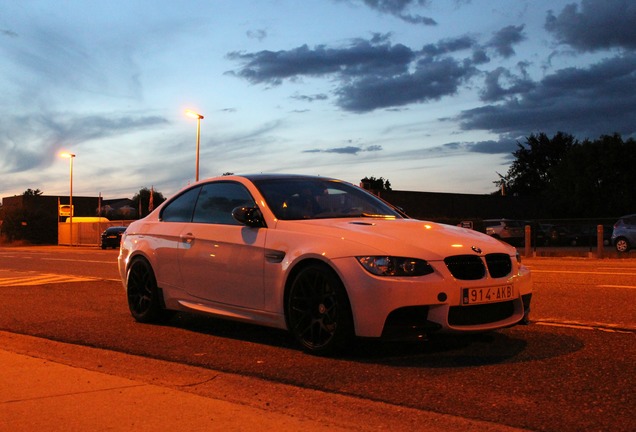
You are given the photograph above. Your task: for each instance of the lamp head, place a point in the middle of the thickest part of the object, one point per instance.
(193, 114)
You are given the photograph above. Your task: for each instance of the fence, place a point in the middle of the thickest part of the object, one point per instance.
(84, 233)
(572, 237)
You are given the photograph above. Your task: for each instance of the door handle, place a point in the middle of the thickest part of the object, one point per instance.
(186, 238)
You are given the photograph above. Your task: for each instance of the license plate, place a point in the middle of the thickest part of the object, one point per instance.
(487, 294)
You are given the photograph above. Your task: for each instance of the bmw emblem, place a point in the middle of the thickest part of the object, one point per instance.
(476, 249)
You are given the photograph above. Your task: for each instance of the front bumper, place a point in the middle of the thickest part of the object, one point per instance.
(409, 307)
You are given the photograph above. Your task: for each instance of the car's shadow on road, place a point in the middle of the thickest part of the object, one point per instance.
(514, 345)
(504, 346)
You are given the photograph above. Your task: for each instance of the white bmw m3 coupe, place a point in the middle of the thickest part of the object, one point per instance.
(320, 257)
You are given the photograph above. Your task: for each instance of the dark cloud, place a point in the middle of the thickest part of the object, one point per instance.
(599, 24)
(447, 46)
(399, 8)
(504, 39)
(362, 57)
(352, 150)
(378, 74)
(431, 80)
(584, 102)
(501, 83)
(310, 98)
(504, 145)
(372, 75)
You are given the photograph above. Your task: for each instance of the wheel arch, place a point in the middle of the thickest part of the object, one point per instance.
(303, 264)
(136, 256)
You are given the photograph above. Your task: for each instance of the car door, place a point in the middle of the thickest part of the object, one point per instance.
(221, 260)
(164, 237)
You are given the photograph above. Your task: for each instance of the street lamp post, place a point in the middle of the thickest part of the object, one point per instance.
(199, 117)
(70, 157)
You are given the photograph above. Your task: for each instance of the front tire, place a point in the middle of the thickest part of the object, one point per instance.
(144, 297)
(318, 310)
(622, 245)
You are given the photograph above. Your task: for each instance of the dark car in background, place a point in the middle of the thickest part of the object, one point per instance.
(624, 234)
(111, 237)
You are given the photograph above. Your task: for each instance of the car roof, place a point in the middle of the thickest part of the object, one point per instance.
(272, 176)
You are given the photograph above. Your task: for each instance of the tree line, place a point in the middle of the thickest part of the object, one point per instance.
(574, 179)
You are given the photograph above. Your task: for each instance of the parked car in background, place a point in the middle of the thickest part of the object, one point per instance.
(624, 233)
(111, 237)
(324, 259)
(508, 230)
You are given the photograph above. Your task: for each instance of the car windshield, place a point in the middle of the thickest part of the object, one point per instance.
(308, 198)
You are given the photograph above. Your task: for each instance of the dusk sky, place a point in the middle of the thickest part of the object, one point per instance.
(430, 94)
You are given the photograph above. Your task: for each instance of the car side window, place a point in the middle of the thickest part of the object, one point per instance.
(217, 200)
(182, 208)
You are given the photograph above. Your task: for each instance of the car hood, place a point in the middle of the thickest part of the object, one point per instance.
(403, 237)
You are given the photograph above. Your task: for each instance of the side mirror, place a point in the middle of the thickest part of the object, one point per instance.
(250, 216)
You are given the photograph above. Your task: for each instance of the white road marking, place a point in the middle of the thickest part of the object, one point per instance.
(42, 279)
(610, 328)
(84, 261)
(582, 272)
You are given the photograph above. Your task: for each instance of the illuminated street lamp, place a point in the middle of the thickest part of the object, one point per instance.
(199, 117)
(70, 157)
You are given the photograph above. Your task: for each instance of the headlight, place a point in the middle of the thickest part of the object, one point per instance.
(395, 266)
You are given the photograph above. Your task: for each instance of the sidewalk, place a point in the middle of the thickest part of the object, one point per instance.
(52, 386)
(40, 395)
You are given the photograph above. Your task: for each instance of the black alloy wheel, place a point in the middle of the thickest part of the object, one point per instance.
(318, 310)
(144, 298)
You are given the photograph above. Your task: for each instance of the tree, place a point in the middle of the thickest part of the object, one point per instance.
(596, 178)
(143, 202)
(532, 171)
(375, 185)
(31, 193)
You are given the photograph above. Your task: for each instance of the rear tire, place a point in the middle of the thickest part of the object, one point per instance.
(145, 299)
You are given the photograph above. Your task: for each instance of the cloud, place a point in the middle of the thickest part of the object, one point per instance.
(310, 98)
(352, 150)
(598, 25)
(398, 8)
(503, 40)
(447, 46)
(584, 102)
(431, 80)
(501, 83)
(40, 137)
(360, 58)
(371, 75)
(502, 146)
(257, 34)
(8, 33)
